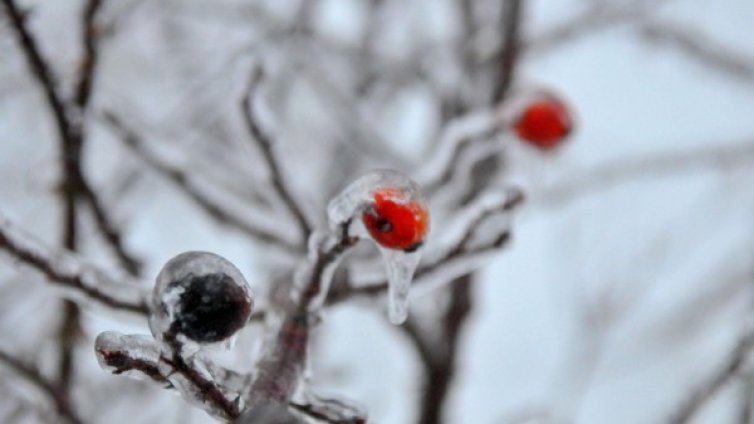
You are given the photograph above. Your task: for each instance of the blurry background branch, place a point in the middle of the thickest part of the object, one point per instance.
(55, 393)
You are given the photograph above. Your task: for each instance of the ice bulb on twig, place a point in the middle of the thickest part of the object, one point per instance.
(199, 297)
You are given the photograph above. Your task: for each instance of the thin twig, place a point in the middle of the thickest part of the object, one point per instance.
(504, 63)
(183, 181)
(31, 374)
(460, 251)
(699, 47)
(324, 415)
(90, 41)
(440, 370)
(40, 69)
(109, 231)
(707, 389)
(265, 145)
(731, 156)
(70, 133)
(61, 274)
(209, 390)
(596, 18)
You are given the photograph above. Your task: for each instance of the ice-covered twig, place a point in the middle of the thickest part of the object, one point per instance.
(266, 147)
(141, 354)
(183, 181)
(333, 411)
(707, 389)
(270, 412)
(70, 132)
(461, 251)
(130, 355)
(281, 365)
(67, 269)
(31, 374)
(456, 137)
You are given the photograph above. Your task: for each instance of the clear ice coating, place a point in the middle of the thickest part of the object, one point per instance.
(398, 228)
(400, 268)
(199, 297)
(110, 346)
(354, 198)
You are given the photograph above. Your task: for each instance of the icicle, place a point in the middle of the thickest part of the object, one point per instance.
(394, 215)
(400, 267)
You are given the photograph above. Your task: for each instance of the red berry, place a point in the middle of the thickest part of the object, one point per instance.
(394, 220)
(543, 123)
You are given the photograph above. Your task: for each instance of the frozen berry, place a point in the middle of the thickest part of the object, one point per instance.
(200, 296)
(543, 123)
(395, 220)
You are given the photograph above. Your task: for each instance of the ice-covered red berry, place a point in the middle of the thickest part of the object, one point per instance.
(543, 122)
(394, 220)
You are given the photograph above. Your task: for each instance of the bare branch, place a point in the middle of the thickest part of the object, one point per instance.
(333, 411)
(31, 374)
(707, 389)
(598, 17)
(266, 147)
(89, 62)
(135, 353)
(182, 180)
(504, 63)
(66, 269)
(730, 156)
(440, 372)
(699, 47)
(70, 133)
(41, 71)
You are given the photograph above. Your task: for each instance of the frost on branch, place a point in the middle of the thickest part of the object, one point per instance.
(81, 280)
(199, 297)
(394, 214)
(197, 379)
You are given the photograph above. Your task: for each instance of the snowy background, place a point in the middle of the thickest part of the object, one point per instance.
(629, 277)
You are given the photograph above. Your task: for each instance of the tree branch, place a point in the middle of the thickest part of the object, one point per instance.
(183, 181)
(31, 374)
(265, 145)
(730, 156)
(707, 389)
(699, 47)
(65, 269)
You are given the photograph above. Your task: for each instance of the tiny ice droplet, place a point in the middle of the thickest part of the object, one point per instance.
(400, 268)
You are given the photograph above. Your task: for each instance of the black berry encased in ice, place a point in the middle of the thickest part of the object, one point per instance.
(210, 308)
(199, 297)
